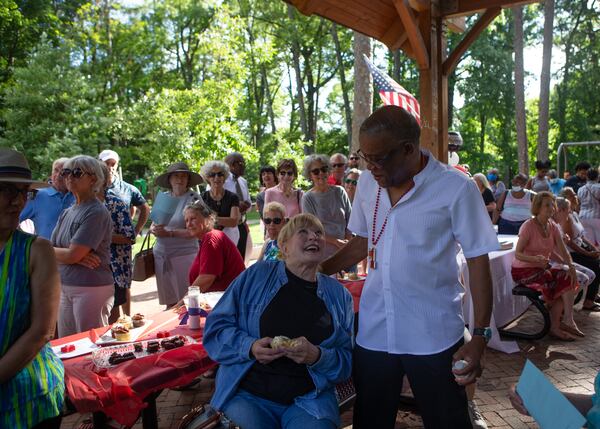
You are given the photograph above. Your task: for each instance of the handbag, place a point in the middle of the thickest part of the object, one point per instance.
(143, 261)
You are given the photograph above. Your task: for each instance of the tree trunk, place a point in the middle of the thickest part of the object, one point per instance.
(340, 60)
(520, 113)
(363, 86)
(299, 83)
(542, 148)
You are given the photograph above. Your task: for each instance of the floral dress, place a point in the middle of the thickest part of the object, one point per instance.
(120, 254)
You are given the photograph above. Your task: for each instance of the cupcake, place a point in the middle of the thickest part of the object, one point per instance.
(126, 321)
(120, 332)
(138, 320)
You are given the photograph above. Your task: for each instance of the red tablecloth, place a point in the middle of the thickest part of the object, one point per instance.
(119, 392)
(355, 288)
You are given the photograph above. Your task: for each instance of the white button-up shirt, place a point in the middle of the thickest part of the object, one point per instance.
(411, 302)
(230, 186)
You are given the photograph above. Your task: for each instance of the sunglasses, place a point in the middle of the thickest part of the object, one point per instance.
(316, 171)
(76, 173)
(288, 173)
(351, 181)
(381, 161)
(275, 220)
(354, 158)
(217, 174)
(338, 165)
(10, 192)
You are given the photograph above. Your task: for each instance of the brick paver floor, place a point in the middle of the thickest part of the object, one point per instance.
(570, 366)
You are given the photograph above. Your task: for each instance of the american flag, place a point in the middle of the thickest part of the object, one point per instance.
(392, 93)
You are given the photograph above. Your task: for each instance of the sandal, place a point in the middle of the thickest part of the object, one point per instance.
(573, 330)
(595, 307)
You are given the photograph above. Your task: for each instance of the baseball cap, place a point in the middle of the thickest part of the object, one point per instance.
(108, 154)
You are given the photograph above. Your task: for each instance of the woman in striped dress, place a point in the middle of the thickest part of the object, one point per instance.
(31, 376)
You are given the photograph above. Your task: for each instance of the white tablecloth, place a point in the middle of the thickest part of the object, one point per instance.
(507, 307)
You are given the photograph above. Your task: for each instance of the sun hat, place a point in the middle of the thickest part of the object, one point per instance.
(107, 154)
(178, 167)
(14, 168)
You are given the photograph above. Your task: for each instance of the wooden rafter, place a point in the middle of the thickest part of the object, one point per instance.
(469, 7)
(394, 36)
(468, 39)
(413, 32)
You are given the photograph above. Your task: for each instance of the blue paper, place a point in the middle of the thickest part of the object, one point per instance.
(550, 408)
(163, 208)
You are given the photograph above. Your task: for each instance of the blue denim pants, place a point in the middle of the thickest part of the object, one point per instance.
(253, 412)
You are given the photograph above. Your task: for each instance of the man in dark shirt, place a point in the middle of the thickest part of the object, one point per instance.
(580, 177)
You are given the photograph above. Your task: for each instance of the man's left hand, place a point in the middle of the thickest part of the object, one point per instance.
(472, 352)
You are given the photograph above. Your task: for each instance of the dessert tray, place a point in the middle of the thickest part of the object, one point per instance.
(74, 348)
(135, 333)
(107, 357)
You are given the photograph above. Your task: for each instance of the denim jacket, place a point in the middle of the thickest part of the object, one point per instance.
(234, 324)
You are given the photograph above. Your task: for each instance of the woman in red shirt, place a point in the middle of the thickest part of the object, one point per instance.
(540, 241)
(218, 261)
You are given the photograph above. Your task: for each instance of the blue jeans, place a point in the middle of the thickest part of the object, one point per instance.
(253, 412)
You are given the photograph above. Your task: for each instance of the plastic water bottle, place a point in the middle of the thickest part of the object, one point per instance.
(194, 307)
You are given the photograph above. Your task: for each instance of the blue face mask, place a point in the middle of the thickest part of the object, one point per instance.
(554, 181)
(492, 177)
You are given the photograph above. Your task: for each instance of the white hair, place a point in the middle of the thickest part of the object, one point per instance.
(89, 165)
(209, 166)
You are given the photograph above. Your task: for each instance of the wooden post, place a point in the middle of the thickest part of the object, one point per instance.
(434, 85)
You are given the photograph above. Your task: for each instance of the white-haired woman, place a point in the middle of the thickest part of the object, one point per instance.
(486, 192)
(175, 248)
(224, 203)
(329, 203)
(81, 242)
(274, 219)
(261, 384)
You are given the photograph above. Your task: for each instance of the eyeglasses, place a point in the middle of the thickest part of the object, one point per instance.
(316, 171)
(338, 165)
(76, 173)
(11, 192)
(354, 158)
(217, 174)
(381, 161)
(275, 220)
(351, 181)
(289, 173)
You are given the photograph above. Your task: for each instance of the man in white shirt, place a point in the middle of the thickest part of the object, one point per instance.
(238, 185)
(408, 213)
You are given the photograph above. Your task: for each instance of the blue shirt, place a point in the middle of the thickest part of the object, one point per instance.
(45, 209)
(127, 193)
(234, 325)
(593, 415)
(557, 186)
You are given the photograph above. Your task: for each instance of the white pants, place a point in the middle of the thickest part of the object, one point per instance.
(84, 307)
(585, 277)
(591, 230)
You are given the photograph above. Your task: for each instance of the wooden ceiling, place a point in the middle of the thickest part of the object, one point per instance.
(381, 19)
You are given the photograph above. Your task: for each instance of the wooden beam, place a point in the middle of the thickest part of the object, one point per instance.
(468, 39)
(395, 35)
(419, 5)
(468, 7)
(414, 33)
(457, 24)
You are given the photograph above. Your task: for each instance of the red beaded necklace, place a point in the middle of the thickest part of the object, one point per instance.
(375, 240)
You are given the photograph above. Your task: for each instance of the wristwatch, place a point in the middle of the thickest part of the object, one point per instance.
(486, 333)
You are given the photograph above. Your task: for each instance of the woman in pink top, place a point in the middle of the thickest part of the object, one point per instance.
(284, 192)
(540, 240)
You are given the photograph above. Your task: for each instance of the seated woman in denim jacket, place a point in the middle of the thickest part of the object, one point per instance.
(260, 385)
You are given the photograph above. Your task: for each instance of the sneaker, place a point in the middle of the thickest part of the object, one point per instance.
(477, 419)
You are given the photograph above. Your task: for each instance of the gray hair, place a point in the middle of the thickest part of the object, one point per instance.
(344, 157)
(207, 168)
(552, 174)
(310, 159)
(274, 206)
(562, 203)
(232, 157)
(480, 177)
(89, 165)
(353, 171)
(202, 209)
(61, 161)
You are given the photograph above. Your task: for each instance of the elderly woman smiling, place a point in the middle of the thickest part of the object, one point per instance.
(264, 385)
(81, 242)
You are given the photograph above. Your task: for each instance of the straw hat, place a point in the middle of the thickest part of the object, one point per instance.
(178, 167)
(15, 169)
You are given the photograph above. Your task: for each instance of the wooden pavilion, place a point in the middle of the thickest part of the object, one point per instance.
(417, 27)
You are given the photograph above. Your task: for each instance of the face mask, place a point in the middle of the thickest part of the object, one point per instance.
(517, 188)
(554, 181)
(492, 177)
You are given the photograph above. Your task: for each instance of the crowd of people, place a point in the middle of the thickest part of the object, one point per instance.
(77, 276)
